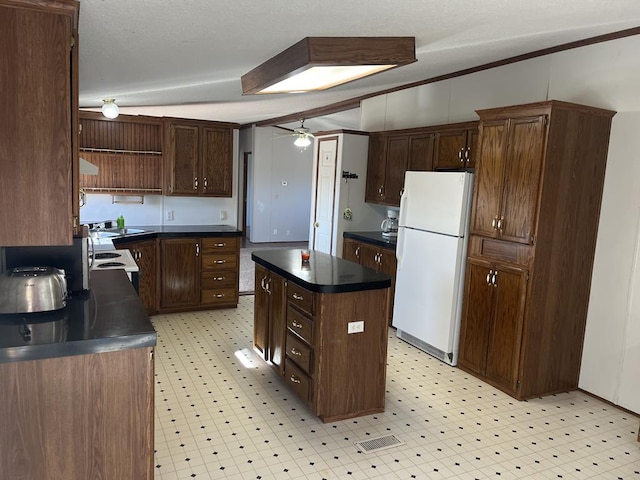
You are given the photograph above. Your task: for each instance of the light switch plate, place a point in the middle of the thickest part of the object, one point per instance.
(355, 327)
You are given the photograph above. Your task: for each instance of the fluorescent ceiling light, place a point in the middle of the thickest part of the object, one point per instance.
(318, 63)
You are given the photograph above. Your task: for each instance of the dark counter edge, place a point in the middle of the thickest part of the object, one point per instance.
(372, 238)
(185, 231)
(314, 287)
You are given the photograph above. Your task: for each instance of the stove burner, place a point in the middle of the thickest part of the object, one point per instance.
(110, 264)
(103, 255)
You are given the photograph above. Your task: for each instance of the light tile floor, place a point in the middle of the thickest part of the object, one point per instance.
(222, 413)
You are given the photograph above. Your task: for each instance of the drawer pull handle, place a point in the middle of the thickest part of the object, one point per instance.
(295, 351)
(220, 295)
(296, 324)
(219, 279)
(298, 297)
(220, 261)
(294, 379)
(219, 244)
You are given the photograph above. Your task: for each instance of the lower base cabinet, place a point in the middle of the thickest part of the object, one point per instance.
(78, 417)
(305, 336)
(146, 257)
(377, 258)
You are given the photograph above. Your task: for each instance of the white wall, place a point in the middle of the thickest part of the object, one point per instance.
(605, 75)
(186, 210)
(281, 188)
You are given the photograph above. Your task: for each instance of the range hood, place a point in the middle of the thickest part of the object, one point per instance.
(87, 168)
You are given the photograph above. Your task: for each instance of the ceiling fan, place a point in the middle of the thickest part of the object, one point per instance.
(303, 136)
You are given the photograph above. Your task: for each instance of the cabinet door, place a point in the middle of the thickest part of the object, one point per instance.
(450, 149)
(489, 181)
(261, 311)
(376, 164)
(183, 160)
(369, 256)
(476, 316)
(351, 250)
(217, 161)
(147, 260)
(505, 334)
(276, 289)
(37, 151)
(389, 265)
(421, 152)
(523, 167)
(397, 158)
(471, 152)
(180, 260)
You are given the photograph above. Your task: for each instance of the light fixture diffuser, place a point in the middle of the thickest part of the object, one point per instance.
(318, 63)
(109, 108)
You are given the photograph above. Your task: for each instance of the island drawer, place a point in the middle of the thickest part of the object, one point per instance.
(300, 297)
(219, 260)
(297, 380)
(219, 245)
(298, 352)
(218, 296)
(300, 325)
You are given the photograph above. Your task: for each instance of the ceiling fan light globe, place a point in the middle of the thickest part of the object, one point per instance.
(302, 141)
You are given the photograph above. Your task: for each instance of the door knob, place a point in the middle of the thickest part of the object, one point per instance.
(316, 225)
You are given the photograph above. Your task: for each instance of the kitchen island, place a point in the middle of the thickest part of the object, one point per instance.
(77, 387)
(322, 324)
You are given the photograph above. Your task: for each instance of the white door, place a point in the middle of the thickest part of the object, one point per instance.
(325, 195)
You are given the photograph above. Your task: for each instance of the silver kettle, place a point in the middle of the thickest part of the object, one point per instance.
(32, 289)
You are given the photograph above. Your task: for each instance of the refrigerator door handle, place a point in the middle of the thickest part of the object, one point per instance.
(400, 247)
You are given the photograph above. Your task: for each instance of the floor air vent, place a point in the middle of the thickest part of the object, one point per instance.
(380, 443)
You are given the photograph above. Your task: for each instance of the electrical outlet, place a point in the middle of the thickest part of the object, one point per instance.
(169, 215)
(355, 327)
(223, 214)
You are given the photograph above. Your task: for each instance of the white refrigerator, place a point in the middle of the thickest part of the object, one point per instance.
(431, 252)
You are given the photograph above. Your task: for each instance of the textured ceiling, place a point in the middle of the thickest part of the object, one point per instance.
(184, 58)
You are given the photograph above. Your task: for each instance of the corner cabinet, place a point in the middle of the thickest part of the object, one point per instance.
(39, 148)
(199, 158)
(145, 254)
(534, 221)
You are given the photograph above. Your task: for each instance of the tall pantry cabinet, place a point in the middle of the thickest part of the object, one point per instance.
(39, 99)
(537, 192)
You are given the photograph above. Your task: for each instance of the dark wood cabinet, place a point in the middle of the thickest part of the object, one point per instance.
(145, 254)
(39, 130)
(494, 310)
(220, 272)
(534, 221)
(180, 275)
(421, 152)
(199, 158)
(388, 162)
(455, 148)
(508, 178)
(199, 273)
(269, 316)
(79, 416)
(127, 151)
(375, 257)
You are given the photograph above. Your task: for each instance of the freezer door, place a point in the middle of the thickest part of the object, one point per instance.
(429, 286)
(437, 202)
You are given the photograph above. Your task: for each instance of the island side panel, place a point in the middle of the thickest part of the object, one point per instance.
(82, 416)
(351, 368)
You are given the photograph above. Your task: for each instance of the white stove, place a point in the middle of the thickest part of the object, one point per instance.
(111, 259)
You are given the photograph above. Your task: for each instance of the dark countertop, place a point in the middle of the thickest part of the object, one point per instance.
(373, 238)
(323, 273)
(108, 318)
(178, 231)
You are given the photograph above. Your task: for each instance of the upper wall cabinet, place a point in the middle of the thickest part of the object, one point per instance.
(127, 151)
(392, 153)
(38, 150)
(199, 158)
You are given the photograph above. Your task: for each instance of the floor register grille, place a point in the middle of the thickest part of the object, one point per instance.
(380, 443)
